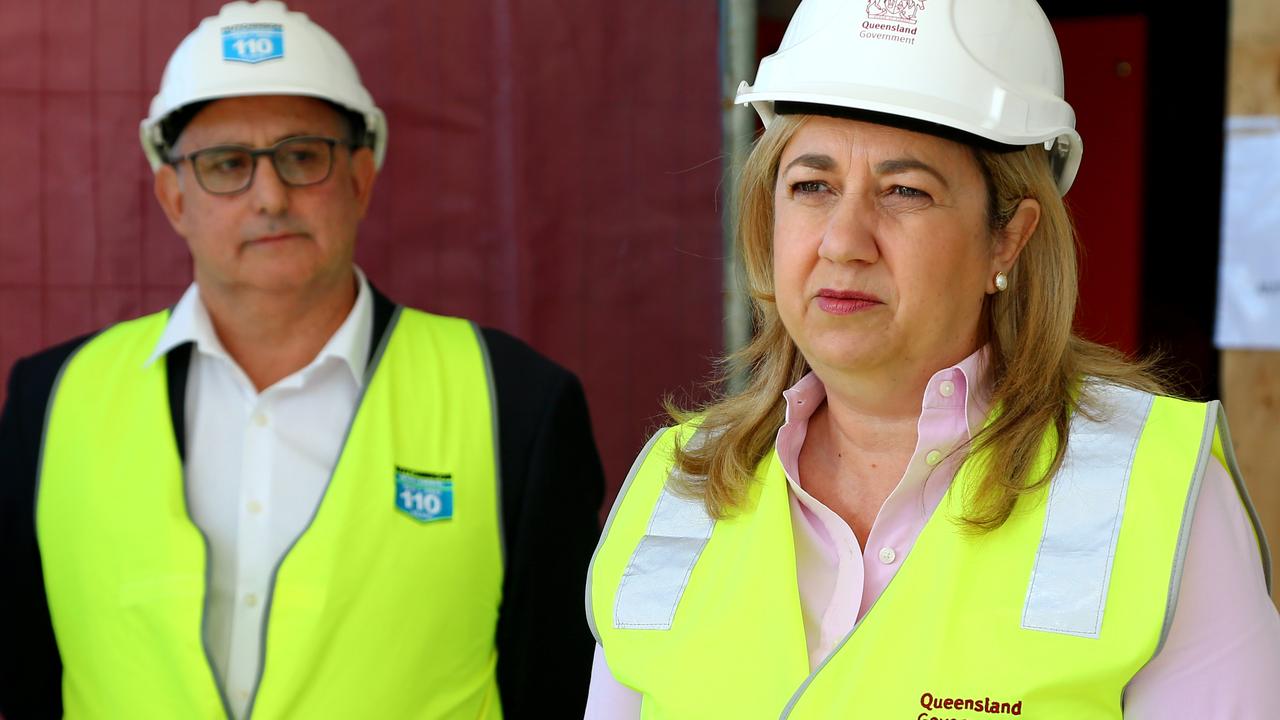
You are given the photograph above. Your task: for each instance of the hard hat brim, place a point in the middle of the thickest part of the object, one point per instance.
(374, 120)
(888, 104)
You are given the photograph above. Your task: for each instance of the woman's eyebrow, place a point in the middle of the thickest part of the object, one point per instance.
(900, 165)
(815, 161)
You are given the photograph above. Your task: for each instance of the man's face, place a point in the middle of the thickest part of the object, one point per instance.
(270, 237)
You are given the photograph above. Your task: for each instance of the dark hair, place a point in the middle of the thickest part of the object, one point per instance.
(174, 123)
(353, 125)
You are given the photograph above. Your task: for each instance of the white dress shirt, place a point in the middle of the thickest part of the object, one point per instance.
(257, 465)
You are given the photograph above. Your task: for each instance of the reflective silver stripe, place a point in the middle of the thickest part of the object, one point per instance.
(659, 569)
(626, 485)
(1068, 589)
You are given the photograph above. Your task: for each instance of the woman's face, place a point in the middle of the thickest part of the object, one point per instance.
(881, 249)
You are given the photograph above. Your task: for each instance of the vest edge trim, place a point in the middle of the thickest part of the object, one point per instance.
(497, 440)
(1184, 529)
(369, 371)
(1233, 467)
(44, 430)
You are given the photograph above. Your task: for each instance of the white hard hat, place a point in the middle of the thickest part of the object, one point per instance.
(259, 48)
(988, 68)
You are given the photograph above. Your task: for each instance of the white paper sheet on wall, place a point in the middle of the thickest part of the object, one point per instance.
(1249, 268)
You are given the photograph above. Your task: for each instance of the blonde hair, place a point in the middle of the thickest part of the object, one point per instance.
(1036, 361)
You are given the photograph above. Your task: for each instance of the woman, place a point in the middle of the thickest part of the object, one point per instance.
(1078, 546)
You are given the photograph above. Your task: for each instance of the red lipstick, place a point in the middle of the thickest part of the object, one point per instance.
(846, 302)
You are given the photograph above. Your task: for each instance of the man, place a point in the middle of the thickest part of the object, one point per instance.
(288, 496)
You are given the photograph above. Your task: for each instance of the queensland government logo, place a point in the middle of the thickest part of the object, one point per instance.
(942, 707)
(893, 20)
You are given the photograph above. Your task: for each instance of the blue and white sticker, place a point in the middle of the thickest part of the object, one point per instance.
(424, 496)
(252, 42)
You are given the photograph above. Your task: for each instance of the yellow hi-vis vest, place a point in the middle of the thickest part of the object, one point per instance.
(384, 608)
(1048, 616)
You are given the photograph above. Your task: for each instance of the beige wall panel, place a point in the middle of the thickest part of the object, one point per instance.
(1255, 21)
(1254, 84)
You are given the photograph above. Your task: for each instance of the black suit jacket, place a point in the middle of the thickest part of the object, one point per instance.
(552, 487)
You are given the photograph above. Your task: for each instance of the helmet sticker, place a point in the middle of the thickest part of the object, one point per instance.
(424, 496)
(252, 42)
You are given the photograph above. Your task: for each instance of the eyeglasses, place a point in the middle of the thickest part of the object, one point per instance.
(229, 169)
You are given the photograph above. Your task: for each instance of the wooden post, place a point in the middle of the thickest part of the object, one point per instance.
(1251, 378)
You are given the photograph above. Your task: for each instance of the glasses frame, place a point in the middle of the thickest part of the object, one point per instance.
(254, 154)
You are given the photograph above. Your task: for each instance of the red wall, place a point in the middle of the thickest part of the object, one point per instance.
(1105, 62)
(552, 170)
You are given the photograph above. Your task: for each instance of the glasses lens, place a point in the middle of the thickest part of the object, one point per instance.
(303, 161)
(223, 170)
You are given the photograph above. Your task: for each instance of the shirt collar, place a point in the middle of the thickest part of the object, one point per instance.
(969, 380)
(350, 343)
(189, 322)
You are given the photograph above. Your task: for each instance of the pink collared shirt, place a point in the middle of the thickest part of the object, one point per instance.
(1221, 659)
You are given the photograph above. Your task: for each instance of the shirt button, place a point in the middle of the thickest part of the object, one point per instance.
(251, 600)
(947, 388)
(887, 555)
(259, 419)
(254, 507)
(244, 694)
(933, 458)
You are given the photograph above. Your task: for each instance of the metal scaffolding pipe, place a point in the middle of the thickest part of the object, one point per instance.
(738, 21)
